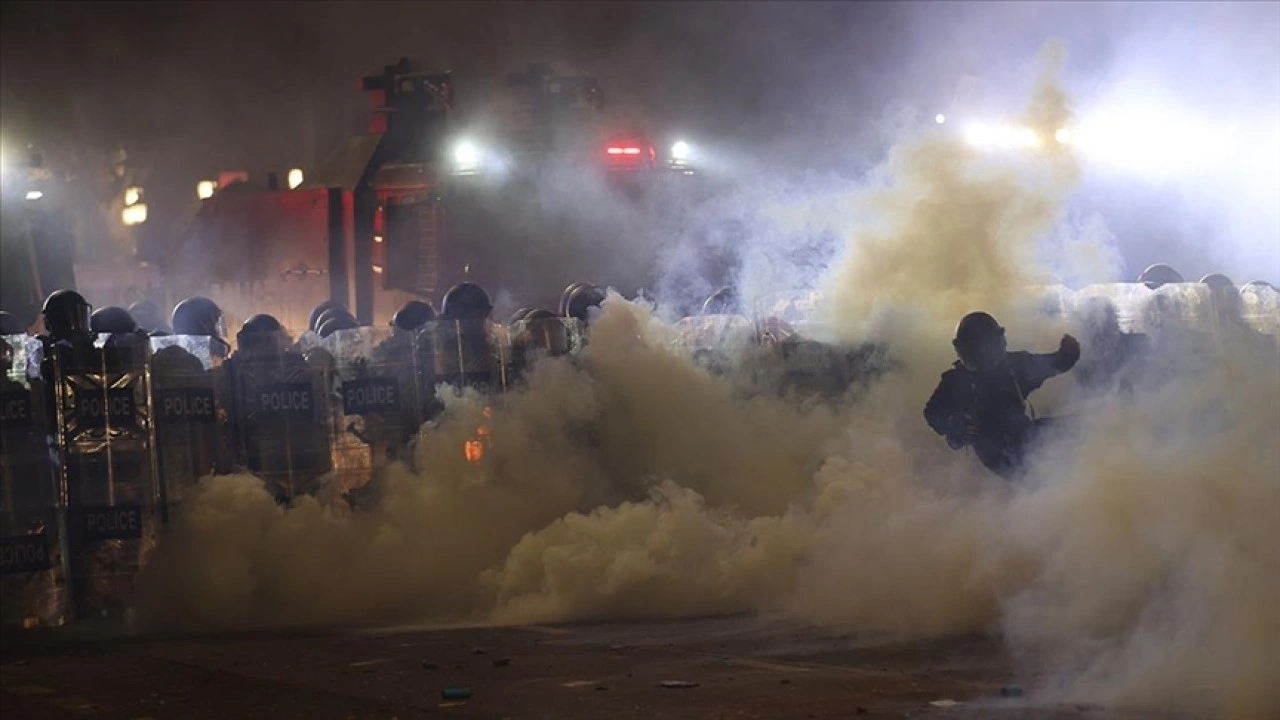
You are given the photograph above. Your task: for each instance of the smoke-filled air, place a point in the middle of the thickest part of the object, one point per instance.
(1136, 563)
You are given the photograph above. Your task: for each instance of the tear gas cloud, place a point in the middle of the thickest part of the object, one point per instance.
(1134, 564)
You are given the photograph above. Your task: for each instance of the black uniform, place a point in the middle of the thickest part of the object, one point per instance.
(982, 401)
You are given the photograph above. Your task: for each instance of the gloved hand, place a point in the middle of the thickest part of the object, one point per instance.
(1068, 352)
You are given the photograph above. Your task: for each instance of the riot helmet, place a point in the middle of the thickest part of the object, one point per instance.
(337, 311)
(261, 332)
(10, 324)
(519, 316)
(147, 316)
(565, 295)
(198, 316)
(112, 320)
(413, 315)
(1218, 282)
(722, 302)
(313, 323)
(979, 341)
(1159, 274)
(466, 301)
(336, 323)
(582, 299)
(66, 313)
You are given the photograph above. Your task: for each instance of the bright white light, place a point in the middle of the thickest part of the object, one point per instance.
(134, 214)
(132, 195)
(1005, 137)
(978, 135)
(205, 188)
(1063, 136)
(34, 194)
(940, 119)
(295, 178)
(680, 150)
(1025, 137)
(466, 155)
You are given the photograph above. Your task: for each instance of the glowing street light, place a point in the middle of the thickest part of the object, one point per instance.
(940, 119)
(295, 178)
(34, 194)
(205, 188)
(132, 195)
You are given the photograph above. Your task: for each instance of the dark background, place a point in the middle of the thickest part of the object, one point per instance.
(194, 88)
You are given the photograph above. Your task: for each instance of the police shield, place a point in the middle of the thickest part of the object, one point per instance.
(542, 337)
(101, 398)
(190, 414)
(282, 419)
(33, 553)
(376, 405)
(468, 353)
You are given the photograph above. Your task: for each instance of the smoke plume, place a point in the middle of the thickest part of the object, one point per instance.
(1135, 564)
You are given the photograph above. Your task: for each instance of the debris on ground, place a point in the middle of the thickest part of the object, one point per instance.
(677, 684)
(456, 693)
(946, 702)
(502, 662)
(1011, 691)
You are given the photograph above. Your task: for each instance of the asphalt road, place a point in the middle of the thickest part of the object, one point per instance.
(737, 667)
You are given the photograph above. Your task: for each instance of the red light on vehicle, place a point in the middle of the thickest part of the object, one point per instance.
(623, 151)
(614, 151)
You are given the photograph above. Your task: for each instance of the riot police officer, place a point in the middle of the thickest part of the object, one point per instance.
(282, 410)
(462, 350)
(66, 316)
(202, 317)
(982, 401)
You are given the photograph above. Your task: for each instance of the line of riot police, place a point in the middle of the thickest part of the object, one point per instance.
(107, 429)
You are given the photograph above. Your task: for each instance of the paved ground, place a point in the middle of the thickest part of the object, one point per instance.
(742, 668)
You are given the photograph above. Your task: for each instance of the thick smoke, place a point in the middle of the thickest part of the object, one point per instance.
(1136, 564)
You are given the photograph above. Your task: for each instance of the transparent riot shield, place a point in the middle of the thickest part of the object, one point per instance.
(716, 342)
(191, 415)
(377, 407)
(1260, 308)
(534, 339)
(33, 550)
(469, 353)
(102, 404)
(282, 418)
(1130, 300)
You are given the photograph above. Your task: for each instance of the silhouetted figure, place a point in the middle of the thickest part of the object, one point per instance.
(982, 401)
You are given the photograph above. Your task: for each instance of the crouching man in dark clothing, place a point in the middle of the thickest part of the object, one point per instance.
(982, 401)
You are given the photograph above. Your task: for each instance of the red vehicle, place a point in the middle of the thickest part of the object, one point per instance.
(517, 194)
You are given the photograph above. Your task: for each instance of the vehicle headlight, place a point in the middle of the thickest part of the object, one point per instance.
(466, 155)
(680, 151)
